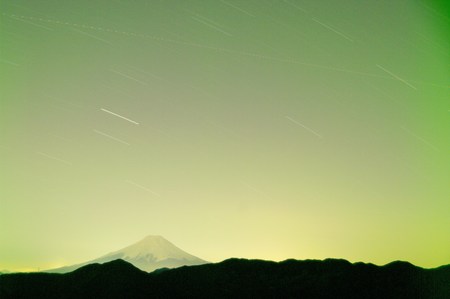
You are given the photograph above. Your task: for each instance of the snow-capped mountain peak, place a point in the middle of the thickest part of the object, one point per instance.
(150, 253)
(152, 247)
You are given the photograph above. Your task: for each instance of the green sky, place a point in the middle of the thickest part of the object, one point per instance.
(257, 129)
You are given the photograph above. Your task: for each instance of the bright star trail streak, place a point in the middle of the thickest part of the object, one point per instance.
(31, 23)
(295, 6)
(93, 36)
(396, 77)
(10, 62)
(240, 9)
(129, 77)
(54, 158)
(303, 126)
(420, 138)
(334, 30)
(211, 26)
(230, 51)
(118, 115)
(111, 137)
(256, 55)
(142, 187)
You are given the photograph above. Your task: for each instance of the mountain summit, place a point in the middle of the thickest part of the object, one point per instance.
(149, 254)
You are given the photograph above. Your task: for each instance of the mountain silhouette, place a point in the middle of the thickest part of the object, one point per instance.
(236, 278)
(151, 253)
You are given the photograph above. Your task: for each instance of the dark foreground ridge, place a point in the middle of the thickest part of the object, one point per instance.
(236, 278)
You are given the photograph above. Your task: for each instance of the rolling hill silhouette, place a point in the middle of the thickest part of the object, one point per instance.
(236, 278)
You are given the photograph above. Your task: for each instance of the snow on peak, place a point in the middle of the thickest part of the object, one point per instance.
(152, 247)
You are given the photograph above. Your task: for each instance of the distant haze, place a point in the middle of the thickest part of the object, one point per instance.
(256, 129)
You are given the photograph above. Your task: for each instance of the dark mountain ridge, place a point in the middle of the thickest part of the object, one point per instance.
(236, 278)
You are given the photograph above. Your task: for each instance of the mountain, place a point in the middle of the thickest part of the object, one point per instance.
(149, 254)
(236, 278)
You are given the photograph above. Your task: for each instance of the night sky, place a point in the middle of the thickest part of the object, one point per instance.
(256, 129)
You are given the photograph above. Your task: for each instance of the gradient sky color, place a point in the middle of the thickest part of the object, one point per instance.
(257, 129)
